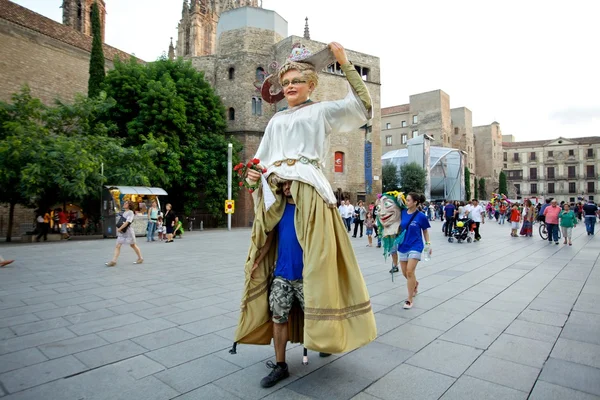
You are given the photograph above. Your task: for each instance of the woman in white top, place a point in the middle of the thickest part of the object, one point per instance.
(126, 235)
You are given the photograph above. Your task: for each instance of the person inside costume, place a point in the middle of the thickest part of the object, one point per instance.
(302, 279)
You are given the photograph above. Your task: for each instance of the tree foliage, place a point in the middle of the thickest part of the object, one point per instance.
(389, 177)
(482, 191)
(503, 186)
(53, 154)
(97, 72)
(171, 101)
(412, 178)
(468, 184)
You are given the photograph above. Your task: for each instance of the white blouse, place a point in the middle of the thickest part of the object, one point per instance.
(296, 142)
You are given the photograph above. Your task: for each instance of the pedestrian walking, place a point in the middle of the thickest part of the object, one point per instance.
(416, 226)
(551, 217)
(528, 215)
(43, 223)
(153, 213)
(369, 225)
(477, 214)
(568, 221)
(360, 213)
(590, 210)
(169, 222)
(126, 235)
(449, 213)
(515, 219)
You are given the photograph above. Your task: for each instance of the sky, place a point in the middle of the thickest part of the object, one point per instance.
(531, 65)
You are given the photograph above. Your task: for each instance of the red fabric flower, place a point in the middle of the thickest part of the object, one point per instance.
(249, 165)
(251, 190)
(241, 184)
(264, 170)
(255, 161)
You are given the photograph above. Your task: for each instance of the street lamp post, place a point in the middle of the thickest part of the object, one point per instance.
(229, 179)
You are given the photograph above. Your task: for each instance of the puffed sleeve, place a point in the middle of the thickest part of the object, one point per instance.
(354, 110)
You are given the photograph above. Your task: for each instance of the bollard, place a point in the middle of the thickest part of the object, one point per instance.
(201, 225)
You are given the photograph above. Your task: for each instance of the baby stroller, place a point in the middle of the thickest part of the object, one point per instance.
(463, 231)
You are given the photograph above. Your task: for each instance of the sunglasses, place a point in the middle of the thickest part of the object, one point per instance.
(294, 82)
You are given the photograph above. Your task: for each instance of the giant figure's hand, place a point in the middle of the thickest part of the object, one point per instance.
(253, 175)
(339, 52)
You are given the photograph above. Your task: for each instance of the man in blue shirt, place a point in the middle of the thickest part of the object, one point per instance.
(286, 286)
(541, 216)
(449, 210)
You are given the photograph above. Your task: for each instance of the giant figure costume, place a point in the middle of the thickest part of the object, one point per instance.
(337, 315)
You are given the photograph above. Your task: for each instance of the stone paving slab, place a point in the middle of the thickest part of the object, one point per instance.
(506, 318)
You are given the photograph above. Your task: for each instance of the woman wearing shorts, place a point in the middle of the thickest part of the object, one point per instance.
(409, 252)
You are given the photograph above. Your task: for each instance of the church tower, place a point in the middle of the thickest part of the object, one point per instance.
(197, 30)
(78, 15)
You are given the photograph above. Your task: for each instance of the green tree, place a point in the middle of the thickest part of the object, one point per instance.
(97, 72)
(503, 186)
(19, 127)
(412, 178)
(172, 101)
(468, 184)
(482, 192)
(389, 177)
(51, 155)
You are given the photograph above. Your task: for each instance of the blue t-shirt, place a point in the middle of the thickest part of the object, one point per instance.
(413, 239)
(289, 253)
(449, 209)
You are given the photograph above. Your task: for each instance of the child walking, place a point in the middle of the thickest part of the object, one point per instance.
(568, 220)
(160, 228)
(369, 224)
(515, 218)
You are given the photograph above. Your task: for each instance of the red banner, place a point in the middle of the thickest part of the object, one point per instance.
(339, 162)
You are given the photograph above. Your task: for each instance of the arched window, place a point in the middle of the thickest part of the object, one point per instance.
(256, 106)
(260, 74)
(338, 162)
(231, 114)
(231, 73)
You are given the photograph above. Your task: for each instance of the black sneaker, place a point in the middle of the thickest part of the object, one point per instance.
(394, 269)
(324, 354)
(275, 376)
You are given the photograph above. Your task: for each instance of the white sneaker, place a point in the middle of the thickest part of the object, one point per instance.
(407, 305)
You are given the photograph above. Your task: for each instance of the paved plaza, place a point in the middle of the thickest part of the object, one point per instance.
(505, 318)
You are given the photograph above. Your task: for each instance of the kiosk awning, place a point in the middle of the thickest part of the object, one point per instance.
(139, 190)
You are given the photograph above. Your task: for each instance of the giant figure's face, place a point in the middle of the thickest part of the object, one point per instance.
(389, 215)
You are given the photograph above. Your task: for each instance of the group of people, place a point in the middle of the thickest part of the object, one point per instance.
(49, 220)
(455, 211)
(563, 215)
(362, 217)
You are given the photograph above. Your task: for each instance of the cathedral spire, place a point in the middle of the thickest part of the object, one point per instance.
(185, 8)
(171, 51)
(306, 31)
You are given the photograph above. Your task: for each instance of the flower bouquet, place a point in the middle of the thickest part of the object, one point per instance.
(242, 169)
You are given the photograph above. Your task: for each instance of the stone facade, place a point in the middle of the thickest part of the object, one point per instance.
(197, 29)
(250, 40)
(565, 169)
(78, 15)
(53, 59)
(488, 154)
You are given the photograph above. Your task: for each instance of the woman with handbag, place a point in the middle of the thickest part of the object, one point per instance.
(414, 225)
(125, 235)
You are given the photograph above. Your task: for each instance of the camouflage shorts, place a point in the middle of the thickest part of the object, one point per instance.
(281, 299)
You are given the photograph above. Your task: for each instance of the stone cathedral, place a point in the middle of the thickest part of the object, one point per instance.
(197, 30)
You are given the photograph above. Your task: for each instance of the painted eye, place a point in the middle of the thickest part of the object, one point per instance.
(389, 204)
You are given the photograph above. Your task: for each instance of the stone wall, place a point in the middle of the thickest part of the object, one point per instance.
(22, 216)
(488, 153)
(433, 113)
(52, 58)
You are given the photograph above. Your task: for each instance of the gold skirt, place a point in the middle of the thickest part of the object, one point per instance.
(337, 316)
